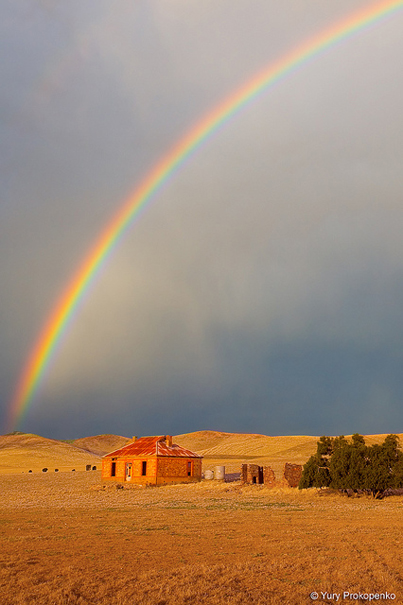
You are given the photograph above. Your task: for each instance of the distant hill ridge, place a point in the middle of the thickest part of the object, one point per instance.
(19, 441)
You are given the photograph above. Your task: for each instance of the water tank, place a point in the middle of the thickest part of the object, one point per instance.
(219, 472)
(208, 475)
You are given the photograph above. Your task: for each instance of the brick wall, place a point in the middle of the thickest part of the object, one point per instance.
(137, 467)
(197, 467)
(158, 471)
(107, 469)
(174, 469)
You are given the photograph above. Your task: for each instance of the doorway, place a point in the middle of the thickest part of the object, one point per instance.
(128, 471)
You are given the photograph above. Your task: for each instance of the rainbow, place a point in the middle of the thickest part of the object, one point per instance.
(56, 325)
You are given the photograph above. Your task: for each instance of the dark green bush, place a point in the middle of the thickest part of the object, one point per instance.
(342, 464)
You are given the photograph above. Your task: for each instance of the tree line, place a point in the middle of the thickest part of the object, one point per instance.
(353, 465)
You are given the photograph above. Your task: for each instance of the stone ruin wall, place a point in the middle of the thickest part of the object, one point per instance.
(252, 473)
(269, 478)
(292, 474)
(264, 475)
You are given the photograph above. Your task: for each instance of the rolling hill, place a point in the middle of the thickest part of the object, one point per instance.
(101, 444)
(22, 452)
(232, 449)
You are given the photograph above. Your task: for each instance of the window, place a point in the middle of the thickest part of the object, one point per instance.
(113, 469)
(144, 467)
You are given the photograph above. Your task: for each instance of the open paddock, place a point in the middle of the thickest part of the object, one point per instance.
(65, 541)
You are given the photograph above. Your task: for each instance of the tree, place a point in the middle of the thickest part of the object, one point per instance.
(344, 464)
(316, 470)
(315, 473)
(325, 446)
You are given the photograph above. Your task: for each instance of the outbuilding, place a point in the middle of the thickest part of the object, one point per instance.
(152, 461)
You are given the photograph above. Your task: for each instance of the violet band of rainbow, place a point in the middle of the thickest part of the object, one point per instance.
(55, 326)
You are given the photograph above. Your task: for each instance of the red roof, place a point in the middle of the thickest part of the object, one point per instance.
(152, 446)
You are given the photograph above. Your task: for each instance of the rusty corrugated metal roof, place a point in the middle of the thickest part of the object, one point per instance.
(174, 450)
(152, 446)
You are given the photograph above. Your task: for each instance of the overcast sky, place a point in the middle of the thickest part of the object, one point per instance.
(262, 289)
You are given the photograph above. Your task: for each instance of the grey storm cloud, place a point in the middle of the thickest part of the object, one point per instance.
(261, 289)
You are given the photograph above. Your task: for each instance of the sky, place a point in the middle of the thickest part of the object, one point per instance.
(261, 290)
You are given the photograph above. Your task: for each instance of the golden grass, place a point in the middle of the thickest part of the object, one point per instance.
(101, 444)
(233, 449)
(64, 541)
(199, 441)
(21, 453)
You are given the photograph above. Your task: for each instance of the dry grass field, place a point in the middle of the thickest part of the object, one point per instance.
(66, 540)
(24, 452)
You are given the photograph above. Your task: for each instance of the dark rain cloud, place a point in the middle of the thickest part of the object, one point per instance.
(261, 289)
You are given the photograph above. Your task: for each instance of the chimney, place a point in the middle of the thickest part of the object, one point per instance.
(134, 438)
(168, 440)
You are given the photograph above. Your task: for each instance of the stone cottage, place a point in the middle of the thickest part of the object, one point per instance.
(152, 461)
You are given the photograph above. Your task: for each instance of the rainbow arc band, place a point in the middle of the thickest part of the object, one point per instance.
(50, 336)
